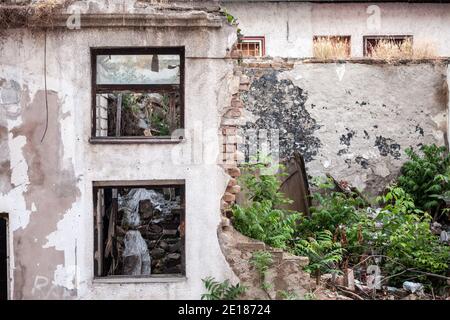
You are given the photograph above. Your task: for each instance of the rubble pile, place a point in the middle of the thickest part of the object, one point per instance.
(149, 236)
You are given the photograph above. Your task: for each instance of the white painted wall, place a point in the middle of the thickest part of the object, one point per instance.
(289, 27)
(68, 74)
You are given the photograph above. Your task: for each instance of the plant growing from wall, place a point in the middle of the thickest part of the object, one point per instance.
(288, 295)
(221, 290)
(262, 260)
(324, 254)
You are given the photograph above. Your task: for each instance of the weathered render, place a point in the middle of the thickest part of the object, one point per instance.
(46, 178)
(352, 120)
(289, 26)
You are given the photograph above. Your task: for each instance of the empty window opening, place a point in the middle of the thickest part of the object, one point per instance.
(137, 93)
(252, 46)
(331, 47)
(3, 257)
(387, 44)
(139, 229)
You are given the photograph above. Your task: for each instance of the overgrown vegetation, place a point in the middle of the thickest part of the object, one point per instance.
(221, 290)
(324, 254)
(262, 220)
(331, 48)
(262, 260)
(426, 177)
(345, 231)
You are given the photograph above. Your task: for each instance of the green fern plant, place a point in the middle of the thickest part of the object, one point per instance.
(322, 251)
(261, 221)
(221, 290)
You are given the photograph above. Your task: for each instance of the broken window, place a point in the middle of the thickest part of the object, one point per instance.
(3, 257)
(252, 46)
(139, 229)
(137, 93)
(331, 47)
(370, 42)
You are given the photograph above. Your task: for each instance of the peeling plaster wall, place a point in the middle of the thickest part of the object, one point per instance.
(289, 27)
(47, 187)
(351, 120)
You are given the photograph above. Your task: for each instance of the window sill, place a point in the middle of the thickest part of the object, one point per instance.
(151, 279)
(135, 140)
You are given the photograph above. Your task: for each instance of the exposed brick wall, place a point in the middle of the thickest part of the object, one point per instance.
(230, 139)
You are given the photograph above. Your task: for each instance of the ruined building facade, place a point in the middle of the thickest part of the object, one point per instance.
(120, 138)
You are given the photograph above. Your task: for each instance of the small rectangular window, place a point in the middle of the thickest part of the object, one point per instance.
(138, 93)
(331, 47)
(139, 229)
(252, 46)
(389, 44)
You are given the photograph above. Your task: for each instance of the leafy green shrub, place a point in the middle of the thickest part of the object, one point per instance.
(262, 222)
(332, 209)
(401, 234)
(262, 182)
(322, 251)
(405, 236)
(426, 177)
(261, 219)
(221, 290)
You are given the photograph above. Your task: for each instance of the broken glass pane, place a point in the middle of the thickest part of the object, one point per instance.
(138, 69)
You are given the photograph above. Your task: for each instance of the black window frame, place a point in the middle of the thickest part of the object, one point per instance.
(135, 88)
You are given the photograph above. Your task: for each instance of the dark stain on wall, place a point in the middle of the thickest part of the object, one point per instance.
(280, 105)
(345, 139)
(363, 162)
(52, 191)
(387, 146)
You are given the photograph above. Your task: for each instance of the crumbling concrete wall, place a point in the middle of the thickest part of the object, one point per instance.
(352, 120)
(46, 180)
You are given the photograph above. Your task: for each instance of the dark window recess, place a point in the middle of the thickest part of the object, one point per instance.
(371, 42)
(139, 230)
(137, 93)
(3, 259)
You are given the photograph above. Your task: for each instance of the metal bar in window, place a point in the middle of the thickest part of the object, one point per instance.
(119, 115)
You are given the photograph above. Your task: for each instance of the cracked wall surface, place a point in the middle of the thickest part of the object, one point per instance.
(351, 120)
(46, 187)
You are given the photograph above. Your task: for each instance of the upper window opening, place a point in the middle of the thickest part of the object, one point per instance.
(331, 47)
(385, 46)
(252, 46)
(137, 93)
